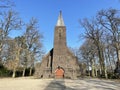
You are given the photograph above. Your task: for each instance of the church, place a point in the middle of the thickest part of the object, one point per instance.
(60, 62)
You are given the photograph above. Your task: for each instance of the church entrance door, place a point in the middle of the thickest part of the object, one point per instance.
(59, 73)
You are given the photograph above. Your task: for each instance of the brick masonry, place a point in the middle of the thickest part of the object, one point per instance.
(58, 56)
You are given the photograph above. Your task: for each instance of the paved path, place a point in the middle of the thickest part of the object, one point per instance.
(85, 84)
(58, 84)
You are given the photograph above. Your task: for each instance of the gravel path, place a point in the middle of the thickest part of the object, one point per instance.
(57, 84)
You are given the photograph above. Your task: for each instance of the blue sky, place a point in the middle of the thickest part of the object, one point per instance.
(47, 11)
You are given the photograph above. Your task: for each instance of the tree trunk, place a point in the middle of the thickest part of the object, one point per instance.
(14, 73)
(100, 71)
(88, 68)
(89, 71)
(23, 74)
(109, 58)
(101, 60)
(96, 72)
(30, 73)
(106, 75)
(119, 56)
(93, 68)
(118, 65)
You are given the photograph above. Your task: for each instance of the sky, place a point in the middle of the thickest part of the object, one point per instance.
(47, 12)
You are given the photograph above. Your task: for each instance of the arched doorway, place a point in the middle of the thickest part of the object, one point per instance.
(59, 72)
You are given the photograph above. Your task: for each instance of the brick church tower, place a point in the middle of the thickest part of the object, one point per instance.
(60, 61)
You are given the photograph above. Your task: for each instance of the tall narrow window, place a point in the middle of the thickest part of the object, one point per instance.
(60, 33)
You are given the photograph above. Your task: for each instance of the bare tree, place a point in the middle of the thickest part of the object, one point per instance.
(95, 32)
(109, 52)
(22, 53)
(88, 51)
(110, 20)
(8, 21)
(33, 42)
(6, 3)
(13, 60)
(104, 31)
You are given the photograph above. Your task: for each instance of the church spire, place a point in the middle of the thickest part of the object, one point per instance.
(60, 21)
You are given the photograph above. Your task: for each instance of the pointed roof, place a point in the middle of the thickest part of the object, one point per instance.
(60, 21)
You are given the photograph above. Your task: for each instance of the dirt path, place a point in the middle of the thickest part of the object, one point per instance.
(57, 84)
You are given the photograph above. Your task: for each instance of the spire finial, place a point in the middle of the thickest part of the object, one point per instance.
(60, 21)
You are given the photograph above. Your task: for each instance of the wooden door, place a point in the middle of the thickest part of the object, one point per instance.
(59, 73)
